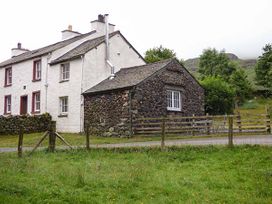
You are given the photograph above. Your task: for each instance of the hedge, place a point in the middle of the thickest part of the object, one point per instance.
(11, 124)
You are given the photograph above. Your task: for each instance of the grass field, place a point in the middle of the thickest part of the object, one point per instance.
(179, 175)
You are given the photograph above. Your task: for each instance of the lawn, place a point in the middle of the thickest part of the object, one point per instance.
(179, 175)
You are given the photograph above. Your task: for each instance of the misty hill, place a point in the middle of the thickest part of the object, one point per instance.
(192, 64)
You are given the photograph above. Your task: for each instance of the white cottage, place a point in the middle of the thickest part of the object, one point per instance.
(52, 79)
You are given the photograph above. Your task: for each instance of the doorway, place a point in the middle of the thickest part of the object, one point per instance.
(23, 106)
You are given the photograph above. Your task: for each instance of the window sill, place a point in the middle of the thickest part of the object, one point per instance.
(36, 80)
(65, 80)
(36, 113)
(7, 85)
(63, 115)
(7, 114)
(174, 110)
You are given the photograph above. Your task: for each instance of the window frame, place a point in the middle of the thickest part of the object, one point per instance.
(63, 113)
(8, 76)
(64, 73)
(34, 102)
(6, 111)
(175, 100)
(35, 71)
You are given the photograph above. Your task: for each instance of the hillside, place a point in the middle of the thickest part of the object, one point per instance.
(192, 64)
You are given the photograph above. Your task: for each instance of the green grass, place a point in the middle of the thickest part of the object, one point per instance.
(147, 175)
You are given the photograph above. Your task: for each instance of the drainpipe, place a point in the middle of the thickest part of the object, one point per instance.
(81, 120)
(46, 80)
(112, 75)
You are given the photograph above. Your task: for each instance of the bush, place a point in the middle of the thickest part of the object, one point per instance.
(29, 124)
(219, 96)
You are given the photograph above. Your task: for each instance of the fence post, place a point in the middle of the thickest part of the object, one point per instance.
(87, 135)
(268, 126)
(52, 136)
(208, 124)
(193, 124)
(230, 133)
(239, 122)
(20, 142)
(163, 134)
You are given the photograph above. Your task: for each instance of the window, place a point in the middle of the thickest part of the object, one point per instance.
(36, 102)
(37, 70)
(64, 105)
(173, 100)
(64, 72)
(8, 76)
(7, 104)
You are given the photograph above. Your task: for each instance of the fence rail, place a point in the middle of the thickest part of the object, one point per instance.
(203, 125)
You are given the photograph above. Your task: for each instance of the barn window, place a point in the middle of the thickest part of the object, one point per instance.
(173, 100)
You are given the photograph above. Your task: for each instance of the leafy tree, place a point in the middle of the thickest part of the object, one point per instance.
(214, 63)
(159, 53)
(263, 67)
(219, 96)
(241, 85)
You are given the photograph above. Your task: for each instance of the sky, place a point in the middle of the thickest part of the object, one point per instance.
(241, 27)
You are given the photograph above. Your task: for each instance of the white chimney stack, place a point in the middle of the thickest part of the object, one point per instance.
(69, 33)
(100, 25)
(18, 50)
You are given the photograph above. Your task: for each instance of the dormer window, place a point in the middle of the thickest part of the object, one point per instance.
(64, 72)
(37, 70)
(8, 76)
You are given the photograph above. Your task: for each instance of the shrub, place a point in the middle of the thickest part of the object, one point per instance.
(219, 96)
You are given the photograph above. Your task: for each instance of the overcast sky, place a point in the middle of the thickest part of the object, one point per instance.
(242, 27)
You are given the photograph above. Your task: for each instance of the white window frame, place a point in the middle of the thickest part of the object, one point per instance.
(37, 103)
(8, 73)
(38, 69)
(8, 104)
(65, 72)
(63, 102)
(173, 100)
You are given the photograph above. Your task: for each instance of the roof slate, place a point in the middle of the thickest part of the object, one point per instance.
(82, 48)
(128, 77)
(42, 51)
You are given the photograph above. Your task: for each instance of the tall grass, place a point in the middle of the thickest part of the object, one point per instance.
(209, 174)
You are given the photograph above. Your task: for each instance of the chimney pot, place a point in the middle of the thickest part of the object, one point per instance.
(70, 27)
(19, 45)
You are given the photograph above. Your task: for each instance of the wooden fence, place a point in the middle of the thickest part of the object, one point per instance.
(203, 125)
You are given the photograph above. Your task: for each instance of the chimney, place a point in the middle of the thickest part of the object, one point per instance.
(100, 25)
(18, 50)
(69, 33)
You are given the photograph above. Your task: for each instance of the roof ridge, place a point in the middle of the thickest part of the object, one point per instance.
(57, 60)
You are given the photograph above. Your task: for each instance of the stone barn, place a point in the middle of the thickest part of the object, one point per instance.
(153, 90)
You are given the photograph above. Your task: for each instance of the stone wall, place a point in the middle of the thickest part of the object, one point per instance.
(108, 113)
(29, 124)
(149, 97)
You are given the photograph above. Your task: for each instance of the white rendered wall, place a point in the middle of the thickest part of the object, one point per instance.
(22, 75)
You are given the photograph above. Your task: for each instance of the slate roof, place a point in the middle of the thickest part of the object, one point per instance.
(42, 51)
(82, 48)
(128, 77)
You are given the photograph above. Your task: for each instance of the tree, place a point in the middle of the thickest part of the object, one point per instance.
(159, 53)
(219, 96)
(214, 63)
(263, 67)
(241, 85)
